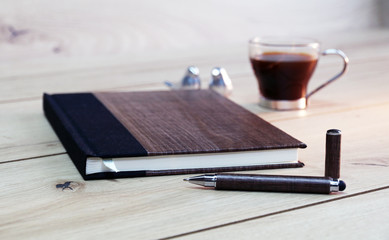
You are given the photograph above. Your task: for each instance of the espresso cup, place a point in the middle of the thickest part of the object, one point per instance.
(283, 68)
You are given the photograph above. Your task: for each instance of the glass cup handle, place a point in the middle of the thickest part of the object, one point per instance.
(345, 67)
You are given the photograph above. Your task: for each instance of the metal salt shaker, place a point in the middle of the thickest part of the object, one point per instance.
(220, 81)
(191, 79)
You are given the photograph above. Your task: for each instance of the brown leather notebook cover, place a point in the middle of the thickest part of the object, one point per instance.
(124, 134)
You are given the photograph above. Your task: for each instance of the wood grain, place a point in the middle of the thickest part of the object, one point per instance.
(134, 204)
(333, 153)
(132, 28)
(273, 183)
(197, 121)
(357, 217)
(74, 47)
(367, 62)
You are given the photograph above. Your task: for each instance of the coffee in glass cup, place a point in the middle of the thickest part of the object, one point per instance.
(283, 68)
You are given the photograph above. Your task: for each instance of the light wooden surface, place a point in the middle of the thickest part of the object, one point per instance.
(100, 28)
(33, 162)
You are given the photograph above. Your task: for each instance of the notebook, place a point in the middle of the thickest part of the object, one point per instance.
(134, 134)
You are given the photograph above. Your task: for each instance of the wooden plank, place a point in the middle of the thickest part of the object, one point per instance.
(29, 80)
(358, 217)
(131, 206)
(25, 133)
(360, 45)
(21, 122)
(70, 57)
(95, 28)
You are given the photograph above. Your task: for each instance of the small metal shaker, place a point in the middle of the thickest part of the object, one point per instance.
(191, 79)
(220, 81)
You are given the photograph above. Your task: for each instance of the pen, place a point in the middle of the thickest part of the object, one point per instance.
(271, 183)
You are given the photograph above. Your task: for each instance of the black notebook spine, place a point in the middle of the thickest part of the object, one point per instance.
(70, 138)
(86, 128)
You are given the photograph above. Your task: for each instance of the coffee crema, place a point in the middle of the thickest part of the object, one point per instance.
(282, 75)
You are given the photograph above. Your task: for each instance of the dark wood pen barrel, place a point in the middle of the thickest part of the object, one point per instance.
(332, 164)
(273, 183)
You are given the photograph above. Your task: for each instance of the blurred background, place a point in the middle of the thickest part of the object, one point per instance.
(39, 28)
(91, 45)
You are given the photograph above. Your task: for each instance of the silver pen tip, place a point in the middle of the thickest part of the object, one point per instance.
(202, 180)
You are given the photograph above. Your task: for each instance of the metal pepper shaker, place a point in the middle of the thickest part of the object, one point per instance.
(220, 81)
(191, 80)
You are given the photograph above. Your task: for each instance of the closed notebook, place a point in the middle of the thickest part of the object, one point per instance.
(133, 134)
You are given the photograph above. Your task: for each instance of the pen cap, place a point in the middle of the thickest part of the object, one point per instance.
(332, 164)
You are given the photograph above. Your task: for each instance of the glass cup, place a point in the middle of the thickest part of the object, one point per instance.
(283, 68)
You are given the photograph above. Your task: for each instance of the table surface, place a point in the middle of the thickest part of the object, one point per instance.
(33, 161)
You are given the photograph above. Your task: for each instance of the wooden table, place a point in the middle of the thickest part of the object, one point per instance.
(34, 165)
